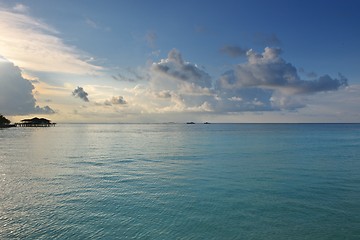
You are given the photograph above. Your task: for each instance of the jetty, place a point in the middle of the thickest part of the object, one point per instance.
(35, 122)
(7, 125)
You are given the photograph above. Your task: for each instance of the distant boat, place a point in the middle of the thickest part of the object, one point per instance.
(206, 123)
(190, 123)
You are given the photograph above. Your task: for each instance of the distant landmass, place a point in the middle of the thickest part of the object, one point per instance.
(4, 122)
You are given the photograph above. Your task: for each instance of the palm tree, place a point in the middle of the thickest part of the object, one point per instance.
(4, 120)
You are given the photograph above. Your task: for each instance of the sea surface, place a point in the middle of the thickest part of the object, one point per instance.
(179, 181)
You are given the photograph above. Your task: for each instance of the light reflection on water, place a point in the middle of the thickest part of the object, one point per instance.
(158, 181)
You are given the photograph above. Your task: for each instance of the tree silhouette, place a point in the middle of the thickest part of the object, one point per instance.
(4, 120)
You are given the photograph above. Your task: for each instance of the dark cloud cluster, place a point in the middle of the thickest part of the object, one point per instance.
(80, 93)
(16, 96)
(269, 70)
(174, 67)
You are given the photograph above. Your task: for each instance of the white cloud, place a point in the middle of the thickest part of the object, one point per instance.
(16, 96)
(179, 86)
(339, 106)
(34, 45)
(91, 23)
(264, 83)
(164, 94)
(235, 99)
(285, 102)
(21, 8)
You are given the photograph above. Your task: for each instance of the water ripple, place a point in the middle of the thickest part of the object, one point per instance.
(180, 182)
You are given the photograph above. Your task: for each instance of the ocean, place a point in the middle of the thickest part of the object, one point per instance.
(180, 181)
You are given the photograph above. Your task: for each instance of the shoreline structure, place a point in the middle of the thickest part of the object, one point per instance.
(33, 122)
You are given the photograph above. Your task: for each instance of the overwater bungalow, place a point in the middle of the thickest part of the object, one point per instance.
(35, 122)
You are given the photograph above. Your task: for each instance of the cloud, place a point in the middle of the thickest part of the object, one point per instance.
(43, 110)
(269, 70)
(80, 93)
(95, 25)
(280, 101)
(178, 86)
(164, 94)
(266, 82)
(243, 99)
(175, 68)
(21, 8)
(119, 100)
(233, 51)
(339, 106)
(122, 78)
(131, 75)
(91, 23)
(34, 45)
(138, 74)
(16, 96)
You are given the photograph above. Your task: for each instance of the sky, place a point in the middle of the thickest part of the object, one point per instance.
(137, 61)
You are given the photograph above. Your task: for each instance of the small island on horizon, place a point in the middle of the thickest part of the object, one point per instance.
(5, 123)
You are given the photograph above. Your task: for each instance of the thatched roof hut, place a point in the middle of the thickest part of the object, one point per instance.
(35, 122)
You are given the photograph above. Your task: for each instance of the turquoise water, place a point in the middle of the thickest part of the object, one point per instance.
(178, 181)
